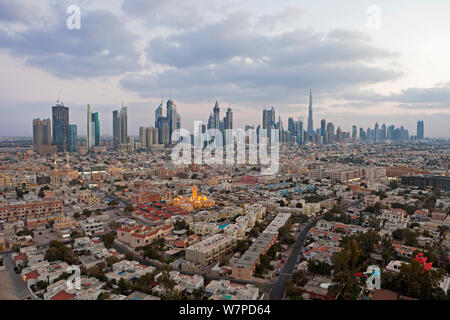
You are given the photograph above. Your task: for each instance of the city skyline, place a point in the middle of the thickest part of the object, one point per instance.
(359, 75)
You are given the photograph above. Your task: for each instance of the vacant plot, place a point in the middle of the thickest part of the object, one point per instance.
(6, 288)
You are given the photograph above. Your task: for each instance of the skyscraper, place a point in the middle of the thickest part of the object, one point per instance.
(42, 134)
(120, 127)
(158, 114)
(173, 118)
(216, 116)
(124, 125)
(228, 120)
(116, 130)
(323, 130)
(72, 138)
(310, 115)
(96, 122)
(354, 132)
(330, 132)
(90, 128)
(268, 119)
(420, 130)
(60, 119)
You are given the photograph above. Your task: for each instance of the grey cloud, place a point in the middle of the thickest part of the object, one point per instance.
(173, 13)
(437, 97)
(18, 11)
(231, 59)
(101, 47)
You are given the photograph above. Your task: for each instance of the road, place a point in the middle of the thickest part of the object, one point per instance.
(20, 288)
(277, 290)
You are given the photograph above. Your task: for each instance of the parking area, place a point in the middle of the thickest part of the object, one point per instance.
(44, 236)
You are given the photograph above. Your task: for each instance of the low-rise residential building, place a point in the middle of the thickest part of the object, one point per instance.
(128, 270)
(210, 249)
(92, 226)
(140, 236)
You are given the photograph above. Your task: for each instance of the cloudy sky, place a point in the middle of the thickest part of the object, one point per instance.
(366, 61)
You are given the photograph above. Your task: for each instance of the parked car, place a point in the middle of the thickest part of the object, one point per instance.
(278, 272)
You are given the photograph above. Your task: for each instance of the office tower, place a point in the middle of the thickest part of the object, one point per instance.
(376, 132)
(216, 116)
(383, 132)
(173, 118)
(89, 128)
(291, 124)
(42, 133)
(323, 130)
(73, 138)
(370, 134)
(299, 132)
(354, 132)
(149, 137)
(155, 137)
(158, 114)
(163, 131)
(60, 119)
(120, 127)
(310, 115)
(339, 135)
(143, 136)
(92, 128)
(211, 121)
(124, 125)
(330, 132)
(116, 130)
(420, 130)
(362, 134)
(228, 120)
(96, 122)
(268, 119)
(390, 132)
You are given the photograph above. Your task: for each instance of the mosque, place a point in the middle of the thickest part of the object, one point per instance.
(194, 202)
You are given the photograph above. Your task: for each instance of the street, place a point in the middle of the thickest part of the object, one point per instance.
(277, 291)
(19, 286)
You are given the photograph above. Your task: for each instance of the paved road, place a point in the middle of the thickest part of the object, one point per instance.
(20, 288)
(277, 291)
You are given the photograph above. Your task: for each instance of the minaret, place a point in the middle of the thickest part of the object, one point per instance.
(310, 114)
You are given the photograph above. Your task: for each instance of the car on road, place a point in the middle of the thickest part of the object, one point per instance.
(16, 270)
(278, 272)
(283, 260)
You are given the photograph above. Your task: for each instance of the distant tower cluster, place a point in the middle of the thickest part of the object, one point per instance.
(168, 124)
(121, 141)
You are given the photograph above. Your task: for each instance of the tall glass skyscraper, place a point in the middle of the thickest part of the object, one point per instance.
(72, 138)
(60, 119)
(310, 115)
(420, 130)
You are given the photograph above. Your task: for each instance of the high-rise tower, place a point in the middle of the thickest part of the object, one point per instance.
(60, 119)
(310, 115)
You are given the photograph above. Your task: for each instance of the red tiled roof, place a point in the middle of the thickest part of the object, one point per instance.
(32, 275)
(63, 295)
(22, 256)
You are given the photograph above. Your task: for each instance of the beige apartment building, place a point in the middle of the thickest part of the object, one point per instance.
(210, 249)
(36, 209)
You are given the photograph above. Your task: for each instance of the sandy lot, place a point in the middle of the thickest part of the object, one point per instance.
(6, 288)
